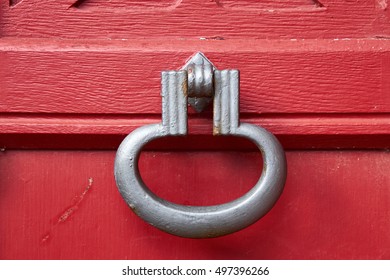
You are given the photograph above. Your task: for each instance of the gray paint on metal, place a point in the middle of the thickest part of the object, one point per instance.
(200, 221)
(174, 101)
(200, 81)
(226, 101)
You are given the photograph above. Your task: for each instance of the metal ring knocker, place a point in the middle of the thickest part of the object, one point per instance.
(200, 82)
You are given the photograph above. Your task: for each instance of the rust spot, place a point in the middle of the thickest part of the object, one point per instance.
(216, 130)
(184, 87)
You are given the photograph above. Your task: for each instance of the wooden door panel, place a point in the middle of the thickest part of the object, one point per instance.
(116, 77)
(339, 209)
(76, 76)
(195, 19)
(322, 88)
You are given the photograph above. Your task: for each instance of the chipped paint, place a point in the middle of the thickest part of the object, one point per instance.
(382, 4)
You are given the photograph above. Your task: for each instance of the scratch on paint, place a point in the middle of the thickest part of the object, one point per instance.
(69, 211)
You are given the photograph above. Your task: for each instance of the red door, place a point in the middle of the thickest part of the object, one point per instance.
(77, 76)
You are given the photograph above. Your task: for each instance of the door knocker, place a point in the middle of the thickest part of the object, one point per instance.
(199, 83)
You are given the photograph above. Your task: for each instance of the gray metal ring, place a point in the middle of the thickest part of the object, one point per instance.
(200, 221)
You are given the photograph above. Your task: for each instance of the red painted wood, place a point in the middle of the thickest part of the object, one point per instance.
(49, 209)
(196, 19)
(123, 77)
(81, 74)
(295, 88)
(102, 132)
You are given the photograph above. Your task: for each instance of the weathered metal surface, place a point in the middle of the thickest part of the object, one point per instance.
(226, 101)
(200, 81)
(200, 221)
(174, 102)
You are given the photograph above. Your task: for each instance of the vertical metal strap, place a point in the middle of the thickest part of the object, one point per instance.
(174, 102)
(226, 101)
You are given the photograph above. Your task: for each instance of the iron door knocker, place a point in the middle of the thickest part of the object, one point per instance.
(198, 83)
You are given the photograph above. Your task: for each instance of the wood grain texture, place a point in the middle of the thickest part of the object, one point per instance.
(334, 89)
(51, 209)
(122, 5)
(82, 74)
(123, 77)
(196, 19)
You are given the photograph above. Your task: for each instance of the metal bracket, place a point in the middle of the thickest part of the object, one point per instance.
(199, 82)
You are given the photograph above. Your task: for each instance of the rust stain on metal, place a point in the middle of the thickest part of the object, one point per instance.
(185, 87)
(216, 130)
